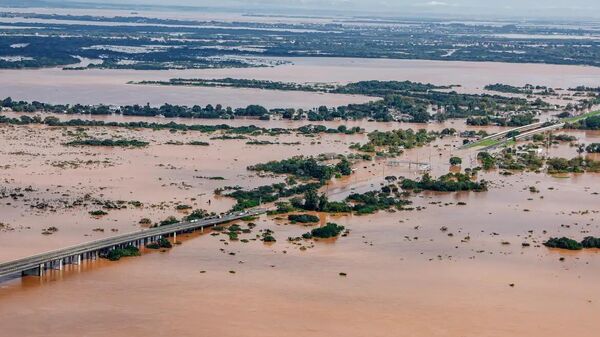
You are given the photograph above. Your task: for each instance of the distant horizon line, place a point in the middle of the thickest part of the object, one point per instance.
(298, 12)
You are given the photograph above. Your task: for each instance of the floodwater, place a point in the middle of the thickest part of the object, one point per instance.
(404, 275)
(110, 86)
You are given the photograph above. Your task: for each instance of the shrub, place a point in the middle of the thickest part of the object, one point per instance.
(169, 221)
(269, 238)
(563, 243)
(118, 253)
(160, 243)
(590, 242)
(328, 231)
(455, 161)
(303, 218)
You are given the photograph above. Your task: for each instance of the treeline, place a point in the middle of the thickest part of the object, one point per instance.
(527, 89)
(107, 142)
(509, 89)
(399, 101)
(239, 83)
(166, 110)
(232, 131)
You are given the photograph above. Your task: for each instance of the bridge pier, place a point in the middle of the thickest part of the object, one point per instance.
(76, 259)
(39, 271)
(56, 264)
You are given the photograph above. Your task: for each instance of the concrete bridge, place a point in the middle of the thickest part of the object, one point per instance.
(500, 139)
(37, 264)
(527, 135)
(519, 129)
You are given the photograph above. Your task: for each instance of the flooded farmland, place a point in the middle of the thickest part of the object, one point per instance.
(111, 86)
(462, 257)
(410, 275)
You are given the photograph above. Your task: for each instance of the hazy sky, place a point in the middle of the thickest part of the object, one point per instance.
(399, 7)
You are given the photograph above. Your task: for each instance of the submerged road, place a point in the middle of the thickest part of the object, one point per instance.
(36, 264)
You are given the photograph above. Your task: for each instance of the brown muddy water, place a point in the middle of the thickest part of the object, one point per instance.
(404, 276)
(110, 86)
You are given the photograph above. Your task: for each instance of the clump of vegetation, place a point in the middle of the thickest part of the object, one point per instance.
(160, 243)
(48, 231)
(575, 165)
(108, 142)
(488, 161)
(563, 243)
(593, 148)
(590, 242)
(564, 138)
(518, 119)
(570, 244)
(266, 194)
(505, 88)
(198, 214)
(282, 208)
(168, 221)
(315, 202)
(98, 213)
(312, 129)
(118, 253)
(305, 167)
(198, 143)
(267, 236)
(455, 161)
(395, 141)
(336, 207)
(373, 201)
(450, 182)
(303, 218)
(330, 230)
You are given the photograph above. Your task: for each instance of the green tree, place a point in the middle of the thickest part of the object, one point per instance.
(344, 167)
(311, 200)
(455, 161)
(323, 201)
